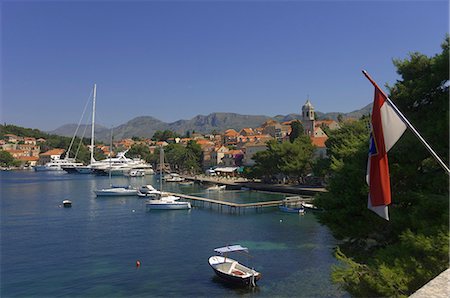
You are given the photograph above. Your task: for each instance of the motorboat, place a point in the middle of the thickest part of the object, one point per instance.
(135, 173)
(173, 177)
(141, 165)
(216, 187)
(186, 183)
(167, 202)
(57, 165)
(67, 203)
(299, 210)
(310, 207)
(231, 271)
(116, 191)
(292, 205)
(148, 191)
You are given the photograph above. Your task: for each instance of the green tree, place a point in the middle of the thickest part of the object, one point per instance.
(6, 159)
(396, 257)
(284, 159)
(296, 130)
(164, 135)
(181, 158)
(139, 151)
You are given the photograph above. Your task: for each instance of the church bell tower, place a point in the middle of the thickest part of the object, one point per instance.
(308, 118)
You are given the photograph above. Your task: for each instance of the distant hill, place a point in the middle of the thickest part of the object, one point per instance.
(146, 126)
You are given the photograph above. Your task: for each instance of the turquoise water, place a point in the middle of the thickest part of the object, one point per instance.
(90, 250)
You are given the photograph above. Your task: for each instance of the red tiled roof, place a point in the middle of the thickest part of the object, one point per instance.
(319, 141)
(53, 152)
(231, 133)
(28, 158)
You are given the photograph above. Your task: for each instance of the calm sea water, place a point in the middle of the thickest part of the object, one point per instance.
(90, 250)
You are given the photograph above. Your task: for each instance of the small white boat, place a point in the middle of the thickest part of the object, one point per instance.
(310, 207)
(148, 191)
(217, 187)
(116, 191)
(67, 203)
(232, 271)
(167, 203)
(173, 177)
(135, 173)
(186, 183)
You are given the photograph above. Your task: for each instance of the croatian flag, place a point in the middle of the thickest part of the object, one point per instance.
(387, 128)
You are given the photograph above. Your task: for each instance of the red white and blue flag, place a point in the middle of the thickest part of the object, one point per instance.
(387, 128)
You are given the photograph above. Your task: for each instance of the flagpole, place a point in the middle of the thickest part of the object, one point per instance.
(409, 125)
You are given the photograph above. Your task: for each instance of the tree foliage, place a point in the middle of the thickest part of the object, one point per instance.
(140, 151)
(284, 159)
(296, 130)
(7, 160)
(160, 135)
(396, 257)
(184, 158)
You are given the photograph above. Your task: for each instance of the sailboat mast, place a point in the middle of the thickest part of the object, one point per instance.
(161, 165)
(93, 123)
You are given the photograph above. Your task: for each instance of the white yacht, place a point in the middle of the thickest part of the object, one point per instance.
(167, 202)
(57, 164)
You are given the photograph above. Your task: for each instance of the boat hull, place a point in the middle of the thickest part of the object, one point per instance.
(291, 209)
(115, 192)
(168, 206)
(236, 277)
(47, 169)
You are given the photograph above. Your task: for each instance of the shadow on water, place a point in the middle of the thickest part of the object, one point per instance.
(237, 289)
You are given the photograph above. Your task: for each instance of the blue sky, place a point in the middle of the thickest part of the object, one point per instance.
(176, 59)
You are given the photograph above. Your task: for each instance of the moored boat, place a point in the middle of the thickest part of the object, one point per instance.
(116, 191)
(288, 209)
(232, 271)
(148, 191)
(167, 203)
(216, 187)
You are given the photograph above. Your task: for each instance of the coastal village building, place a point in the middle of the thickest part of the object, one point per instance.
(218, 154)
(232, 158)
(275, 129)
(29, 141)
(50, 155)
(230, 137)
(250, 150)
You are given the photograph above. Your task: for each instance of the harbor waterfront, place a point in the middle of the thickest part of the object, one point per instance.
(91, 249)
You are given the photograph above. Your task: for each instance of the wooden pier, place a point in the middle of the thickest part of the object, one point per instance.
(236, 208)
(239, 183)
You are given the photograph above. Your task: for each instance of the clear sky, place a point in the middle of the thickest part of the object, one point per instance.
(177, 59)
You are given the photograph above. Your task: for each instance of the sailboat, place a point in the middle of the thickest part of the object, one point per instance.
(118, 165)
(115, 190)
(165, 201)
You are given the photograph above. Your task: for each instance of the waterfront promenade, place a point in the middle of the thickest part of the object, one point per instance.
(237, 183)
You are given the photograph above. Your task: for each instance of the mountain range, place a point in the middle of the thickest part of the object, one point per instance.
(146, 126)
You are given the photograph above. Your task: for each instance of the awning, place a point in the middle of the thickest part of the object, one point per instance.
(230, 248)
(226, 169)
